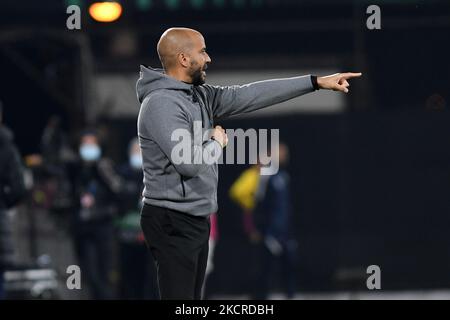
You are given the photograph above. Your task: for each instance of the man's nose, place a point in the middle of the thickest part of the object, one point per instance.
(208, 58)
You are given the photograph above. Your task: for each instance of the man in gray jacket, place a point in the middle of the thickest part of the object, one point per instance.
(180, 196)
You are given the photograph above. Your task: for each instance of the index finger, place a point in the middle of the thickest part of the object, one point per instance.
(349, 75)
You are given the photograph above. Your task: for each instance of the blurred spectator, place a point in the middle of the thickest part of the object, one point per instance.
(273, 221)
(12, 189)
(137, 268)
(243, 193)
(96, 188)
(57, 156)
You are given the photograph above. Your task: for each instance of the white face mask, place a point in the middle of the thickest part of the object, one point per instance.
(136, 161)
(90, 152)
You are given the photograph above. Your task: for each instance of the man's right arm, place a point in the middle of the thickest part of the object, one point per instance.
(235, 100)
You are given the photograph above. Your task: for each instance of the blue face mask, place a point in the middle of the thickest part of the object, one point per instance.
(90, 152)
(136, 161)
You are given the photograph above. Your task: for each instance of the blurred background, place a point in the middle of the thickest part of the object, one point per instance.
(368, 172)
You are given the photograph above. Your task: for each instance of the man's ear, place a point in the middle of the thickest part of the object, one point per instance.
(184, 59)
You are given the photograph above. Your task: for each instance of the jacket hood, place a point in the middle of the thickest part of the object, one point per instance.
(154, 79)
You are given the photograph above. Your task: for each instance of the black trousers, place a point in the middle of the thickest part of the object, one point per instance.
(179, 245)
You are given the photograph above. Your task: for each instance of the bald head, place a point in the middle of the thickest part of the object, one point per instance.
(182, 53)
(175, 41)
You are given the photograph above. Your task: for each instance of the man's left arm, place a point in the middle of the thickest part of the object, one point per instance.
(234, 100)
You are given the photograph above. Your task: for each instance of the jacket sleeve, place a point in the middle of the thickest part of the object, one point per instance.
(168, 125)
(234, 100)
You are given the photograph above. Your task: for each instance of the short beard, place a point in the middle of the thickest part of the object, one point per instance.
(196, 76)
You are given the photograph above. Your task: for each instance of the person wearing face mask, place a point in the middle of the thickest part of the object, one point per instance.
(97, 187)
(137, 268)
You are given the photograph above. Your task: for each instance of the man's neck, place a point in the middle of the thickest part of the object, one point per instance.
(177, 75)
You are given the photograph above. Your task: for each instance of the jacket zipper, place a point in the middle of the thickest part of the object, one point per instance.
(202, 106)
(182, 186)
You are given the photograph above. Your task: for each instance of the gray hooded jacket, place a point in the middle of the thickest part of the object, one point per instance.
(168, 104)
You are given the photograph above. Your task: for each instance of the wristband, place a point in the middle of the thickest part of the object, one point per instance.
(314, 82)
